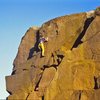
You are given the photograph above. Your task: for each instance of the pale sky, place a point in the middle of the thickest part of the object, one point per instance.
(16, 16)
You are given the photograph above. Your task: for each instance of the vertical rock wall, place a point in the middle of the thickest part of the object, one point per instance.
(70, 69)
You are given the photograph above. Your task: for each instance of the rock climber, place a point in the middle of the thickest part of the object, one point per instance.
(41, 44)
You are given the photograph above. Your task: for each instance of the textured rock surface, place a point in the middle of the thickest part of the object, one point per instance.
(70, 69)
(25, 51)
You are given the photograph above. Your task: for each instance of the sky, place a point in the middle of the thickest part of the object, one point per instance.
(16, 16)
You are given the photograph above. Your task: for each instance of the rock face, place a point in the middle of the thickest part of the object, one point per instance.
(70, 69)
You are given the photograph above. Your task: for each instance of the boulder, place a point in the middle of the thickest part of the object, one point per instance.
(24, 81)
(19, 82)
(70, 69)
(46, 79)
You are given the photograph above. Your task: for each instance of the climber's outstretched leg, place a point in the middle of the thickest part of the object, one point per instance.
(41, 47)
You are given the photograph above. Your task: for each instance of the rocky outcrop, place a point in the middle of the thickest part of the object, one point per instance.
(70, 69)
